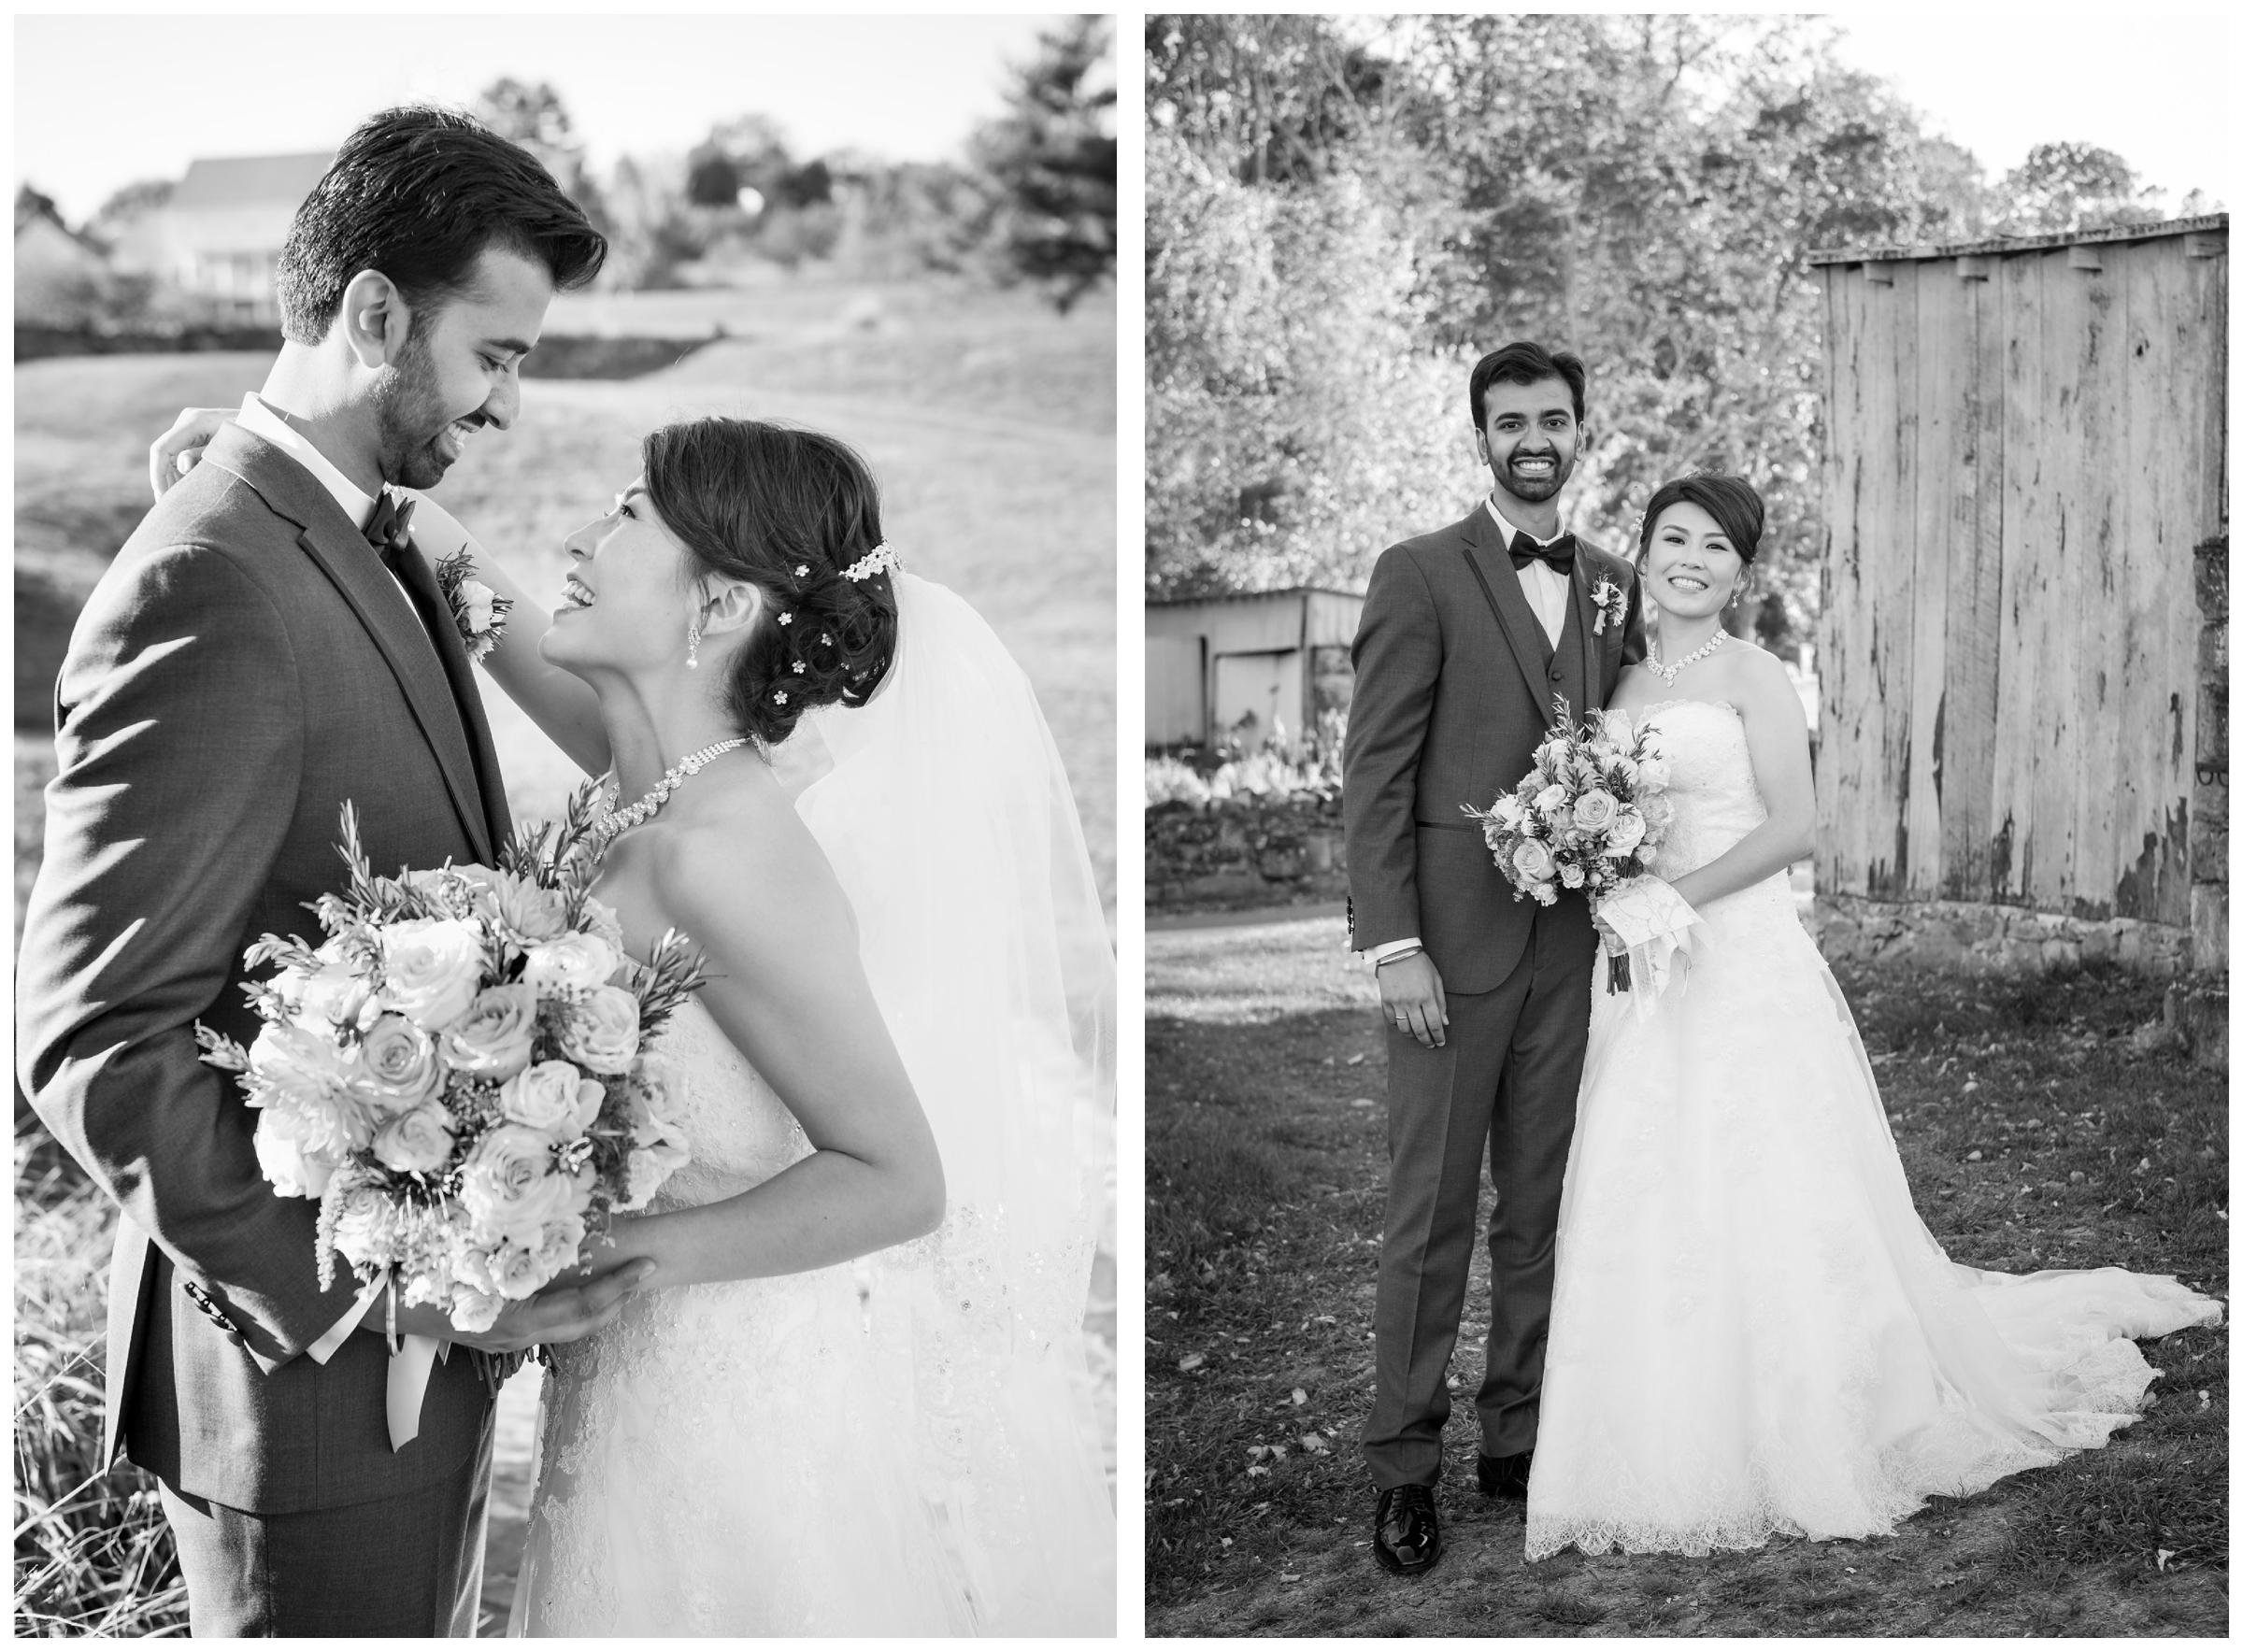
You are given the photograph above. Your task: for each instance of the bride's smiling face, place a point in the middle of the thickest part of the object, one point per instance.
(630, 595)
(1690, 565)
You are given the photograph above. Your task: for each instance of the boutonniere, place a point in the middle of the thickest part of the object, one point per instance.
(1611, 604)
(479, 612)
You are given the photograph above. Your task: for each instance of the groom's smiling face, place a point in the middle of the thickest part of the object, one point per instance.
(1531, 438)
(459, 369)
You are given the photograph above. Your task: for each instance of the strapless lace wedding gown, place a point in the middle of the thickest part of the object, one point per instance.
(1752, 1332)
(735, 1459)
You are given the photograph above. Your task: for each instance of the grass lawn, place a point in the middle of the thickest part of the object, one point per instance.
(2034, 1136)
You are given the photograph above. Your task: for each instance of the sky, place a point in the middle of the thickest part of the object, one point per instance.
(101, 100)
(2150, 85)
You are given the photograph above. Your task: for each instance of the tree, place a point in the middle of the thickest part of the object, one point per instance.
(128, 206)
(2063, 187)
(1054, 156)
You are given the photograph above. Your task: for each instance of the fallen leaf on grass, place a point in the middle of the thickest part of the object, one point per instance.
(1190, 1362)
(2163, 1555)
(1289, 1577)
(1300, 1396)
(1355, 1059)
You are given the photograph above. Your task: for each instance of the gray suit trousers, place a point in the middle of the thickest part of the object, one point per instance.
(1505, 1083)
(411, 1564)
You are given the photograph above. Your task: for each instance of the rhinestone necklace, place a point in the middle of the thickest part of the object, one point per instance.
(620, 821)
(1667, 673)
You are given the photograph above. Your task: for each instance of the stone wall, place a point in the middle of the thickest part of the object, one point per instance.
(1977, 935)
(1242, 852)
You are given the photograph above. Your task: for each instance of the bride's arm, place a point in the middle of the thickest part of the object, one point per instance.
(786, 986)
(1776, 737)
(561, 705)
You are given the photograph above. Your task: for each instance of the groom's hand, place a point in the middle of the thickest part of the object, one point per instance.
(1411, 999)
(179, 449)
(558, 1313)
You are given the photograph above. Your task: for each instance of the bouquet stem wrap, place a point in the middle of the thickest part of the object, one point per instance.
(1648, 927)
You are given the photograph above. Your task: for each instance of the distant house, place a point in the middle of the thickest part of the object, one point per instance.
(60, 280)
(1246, 667)
(220, 233)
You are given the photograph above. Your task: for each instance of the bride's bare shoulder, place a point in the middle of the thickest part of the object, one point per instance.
(744, 877)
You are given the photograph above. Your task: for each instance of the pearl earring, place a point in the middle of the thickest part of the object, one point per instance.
(693, 646)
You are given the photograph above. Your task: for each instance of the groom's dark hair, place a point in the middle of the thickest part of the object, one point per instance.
(1524, 363)
(420, 194)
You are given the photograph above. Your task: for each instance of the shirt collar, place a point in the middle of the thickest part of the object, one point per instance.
(1511, 531)
(260, 419)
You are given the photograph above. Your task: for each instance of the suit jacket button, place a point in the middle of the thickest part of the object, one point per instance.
(1555, 675)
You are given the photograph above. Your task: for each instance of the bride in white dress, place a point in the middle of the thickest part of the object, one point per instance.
(1753, 1331)
(814, 1422)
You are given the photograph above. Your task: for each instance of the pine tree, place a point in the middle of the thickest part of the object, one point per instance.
(1054, 156)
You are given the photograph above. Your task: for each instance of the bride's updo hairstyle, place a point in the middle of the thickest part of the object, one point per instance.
(1728, 500)
(786, 510)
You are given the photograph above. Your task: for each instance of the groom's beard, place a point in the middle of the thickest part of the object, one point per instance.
(1532, 489)
(412, 421)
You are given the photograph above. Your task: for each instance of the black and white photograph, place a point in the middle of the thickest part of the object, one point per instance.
(1686, 785)
(565, 810)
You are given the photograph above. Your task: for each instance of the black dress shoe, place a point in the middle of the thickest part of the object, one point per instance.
(1506, 1477)
(1407, 1538)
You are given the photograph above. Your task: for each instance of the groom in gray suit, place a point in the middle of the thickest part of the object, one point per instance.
(267, 645)
(1468, 635)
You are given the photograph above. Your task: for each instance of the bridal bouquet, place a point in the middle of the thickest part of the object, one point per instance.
(1588, 816)
(459, 1073)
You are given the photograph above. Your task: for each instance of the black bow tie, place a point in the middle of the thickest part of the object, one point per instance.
(389, 530)
(1558, 554)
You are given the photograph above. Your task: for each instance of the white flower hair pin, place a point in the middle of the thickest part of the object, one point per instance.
(879, 560)
(1611, 604)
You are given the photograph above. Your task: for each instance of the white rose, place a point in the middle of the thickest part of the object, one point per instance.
(509, 1186)
(302, 1063)
(492, 1039)
(421, 1140)
(397, 1065)
(474, 599)
(1651, 771)
(1627, 832)
(1550, 801)
(475, 1311)
(1533, 862)
(433, 968)
(600, 1032)
(548, 1097)
(294, 1172)
(573, 963)
(362, 1226)
(1594, 809)
(1572, 877)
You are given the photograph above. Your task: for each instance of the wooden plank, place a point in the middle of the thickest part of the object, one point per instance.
(2023, 568)
(2148, 869)
(2064, 324)
(1974, 569)
(1878, 790)
(1894, 620)
(1942, 366)
(1841, 651)
(2105, 778)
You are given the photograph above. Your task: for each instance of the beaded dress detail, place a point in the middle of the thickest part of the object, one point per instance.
(1753, 1331)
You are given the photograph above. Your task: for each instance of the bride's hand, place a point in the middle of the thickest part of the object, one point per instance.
(561, 1312)
(179, 449)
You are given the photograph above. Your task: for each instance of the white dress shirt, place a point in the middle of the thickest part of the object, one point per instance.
(1547, 592)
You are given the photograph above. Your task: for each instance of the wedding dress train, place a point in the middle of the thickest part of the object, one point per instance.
(1753, 1331)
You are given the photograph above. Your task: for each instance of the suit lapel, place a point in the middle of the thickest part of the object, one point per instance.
(333, 542)
(1491, 566)
(1577, 656)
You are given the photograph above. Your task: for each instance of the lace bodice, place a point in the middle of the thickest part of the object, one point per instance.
(737, 1130)
(1709, 782)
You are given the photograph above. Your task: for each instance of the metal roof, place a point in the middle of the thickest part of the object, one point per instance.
(2214, 223)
